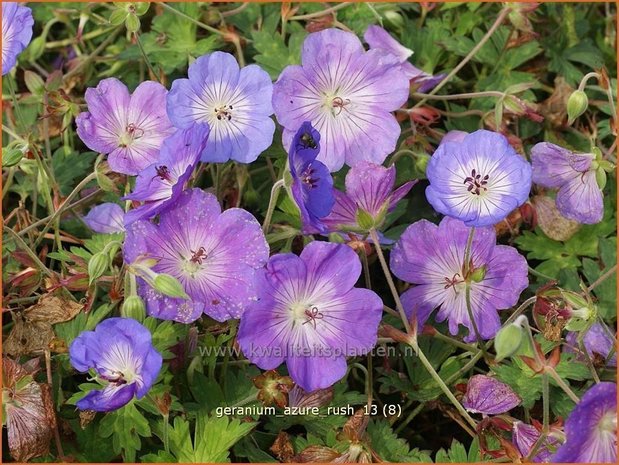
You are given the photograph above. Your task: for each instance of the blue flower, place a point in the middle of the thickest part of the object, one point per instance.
(312, 184)
(236, 104)
(121, 352)
(479, 179)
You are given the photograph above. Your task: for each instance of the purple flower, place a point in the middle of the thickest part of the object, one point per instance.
(312, 184)
(479, 180)
(121, 352)
(489, 396)
(380, 39)
(160, 184)
(347, 94)
(454, 136)
(107, 218)
(128, 127)
(17, 25)
(597, 341)
(432, 257)
(369, 196)
(236, 103)
(310, 315)
(591, 428)
(215, 255)
(525, 436)
(579, 197)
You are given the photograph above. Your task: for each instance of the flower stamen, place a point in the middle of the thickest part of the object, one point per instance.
(198, 256)
(338, 104)
(132, 132)
(312, 315)
(476, 183)
(224, 112)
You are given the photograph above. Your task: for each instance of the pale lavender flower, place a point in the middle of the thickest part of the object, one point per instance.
(106, 218)
(525, 436)
(236, 104)
(597, 341)
(17, 25)
(129, 128)
(432, 257)
(215, 255)
(378, 38)
(489, 396)
(479, 179)
(369, 196)
(579, 196)
(347, 94)
(309, 315)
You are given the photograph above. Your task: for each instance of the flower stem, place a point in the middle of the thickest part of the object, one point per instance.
(320, 13)
(504, 12)
(143, 53)
(467, 269)
(64, 205)
(413, 340)
(562, 384)
(21, 244)
(608, 273)
(471, 95)
(271, 208)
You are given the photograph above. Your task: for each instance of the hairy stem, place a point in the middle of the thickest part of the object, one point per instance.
(271, 208)
(413, 340)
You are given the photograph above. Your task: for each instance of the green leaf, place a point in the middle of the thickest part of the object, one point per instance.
(213, 438)
(125, 425)
(273, 54)
(390, 447)
(455, 454)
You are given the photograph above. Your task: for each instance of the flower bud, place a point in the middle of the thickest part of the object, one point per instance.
(577, 104)
(118, 17)
(97, 265)
(508, 340)
(421, 163)
(479, 274)
(365, 220)
(132, 23)
(133, 307)
(34, 83)
(600, 177)
(170, 286)
(11, 156)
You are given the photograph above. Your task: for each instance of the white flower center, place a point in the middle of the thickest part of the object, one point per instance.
(608, 423)
(132, 133)
(335, 104)
(304, 314)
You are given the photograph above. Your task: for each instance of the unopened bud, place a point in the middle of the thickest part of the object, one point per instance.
(508, 340)
(11, 156)
(600, 177)
(133, 307)
(479, 274)
(365, 220)
(97, 265)
(132, 22)
(170, 286)
(577, 104)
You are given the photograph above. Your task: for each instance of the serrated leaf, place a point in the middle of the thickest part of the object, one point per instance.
(125, 426)
(390, 447)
